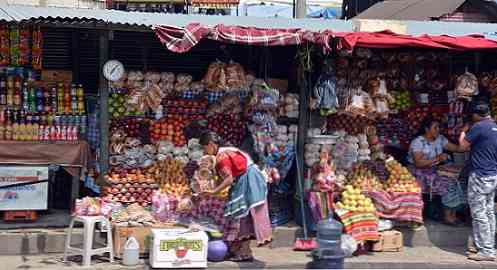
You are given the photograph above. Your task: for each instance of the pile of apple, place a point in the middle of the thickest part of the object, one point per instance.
(363, 178)
(352, 124)
(354, 201)
(194, 108)
(130, 186)
(170, 128)
(400, 179)
(133, 127)
(231, 127)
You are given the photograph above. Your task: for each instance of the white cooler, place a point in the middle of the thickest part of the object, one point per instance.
(178, 248)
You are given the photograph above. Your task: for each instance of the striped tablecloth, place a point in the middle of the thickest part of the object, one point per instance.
(405, 206)
(361, 226)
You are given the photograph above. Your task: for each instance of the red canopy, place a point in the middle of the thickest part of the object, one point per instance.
(385, 39)
(388, 39)
(472, 42)
(181, 40)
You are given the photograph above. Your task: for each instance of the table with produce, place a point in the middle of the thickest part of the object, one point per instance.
(157, 166)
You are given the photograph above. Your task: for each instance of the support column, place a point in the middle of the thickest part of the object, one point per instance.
(104, 110)
(301, 9)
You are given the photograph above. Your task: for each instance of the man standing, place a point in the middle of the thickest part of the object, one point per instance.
(482, 140)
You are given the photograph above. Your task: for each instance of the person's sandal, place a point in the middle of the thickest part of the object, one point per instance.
(480, 258)
(241, 259)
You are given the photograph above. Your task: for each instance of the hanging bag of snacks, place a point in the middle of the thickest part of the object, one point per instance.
(4, 46)
(466, 85)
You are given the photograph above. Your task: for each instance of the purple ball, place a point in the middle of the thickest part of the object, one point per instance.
(216, 251)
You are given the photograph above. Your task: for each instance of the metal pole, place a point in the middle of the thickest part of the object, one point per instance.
(104, 110)
(301, 11)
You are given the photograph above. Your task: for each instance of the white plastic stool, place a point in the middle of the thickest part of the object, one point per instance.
(88, 230)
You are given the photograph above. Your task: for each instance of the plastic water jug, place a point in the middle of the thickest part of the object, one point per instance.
(329, 233)
(131, 253)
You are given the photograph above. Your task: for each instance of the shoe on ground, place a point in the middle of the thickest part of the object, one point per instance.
(471, 250)
(480, 258)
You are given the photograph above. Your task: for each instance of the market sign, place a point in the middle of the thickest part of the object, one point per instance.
(29, 197)
(218, 4)
(397, 27)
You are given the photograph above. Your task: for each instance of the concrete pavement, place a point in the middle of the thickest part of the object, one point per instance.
(277, 258)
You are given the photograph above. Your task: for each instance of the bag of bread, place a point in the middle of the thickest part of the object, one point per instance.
(215, 78)
(235, 76)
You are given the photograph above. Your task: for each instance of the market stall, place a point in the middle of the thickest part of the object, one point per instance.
(43, 119)
(368, 104)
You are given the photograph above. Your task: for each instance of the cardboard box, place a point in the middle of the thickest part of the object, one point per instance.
(390, 241)
(141, 234)
(51, 77)
(178, 248)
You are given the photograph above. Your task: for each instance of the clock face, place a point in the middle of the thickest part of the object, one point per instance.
(113, 70)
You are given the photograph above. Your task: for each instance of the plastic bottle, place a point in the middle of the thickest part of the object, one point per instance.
(131, 252)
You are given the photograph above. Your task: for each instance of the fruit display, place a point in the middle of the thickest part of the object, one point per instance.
(170, 128)
(132, 127)
(400, 179)
(193, 108)
(171, 177)
(353, 200)
(130, 186)
(351, 124)
(230, 127)
(361, 177)
(401, 100)
(117, 104)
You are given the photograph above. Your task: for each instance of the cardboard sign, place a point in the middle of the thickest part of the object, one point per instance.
(30, 197)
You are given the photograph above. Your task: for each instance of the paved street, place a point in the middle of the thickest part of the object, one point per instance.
(420, 257)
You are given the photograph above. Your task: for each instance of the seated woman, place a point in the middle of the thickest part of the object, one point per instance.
(425, 153)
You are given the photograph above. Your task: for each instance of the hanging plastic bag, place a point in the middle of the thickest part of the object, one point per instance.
(466, 85)
(348, 245)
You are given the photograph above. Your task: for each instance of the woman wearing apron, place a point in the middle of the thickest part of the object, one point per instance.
(246, 210)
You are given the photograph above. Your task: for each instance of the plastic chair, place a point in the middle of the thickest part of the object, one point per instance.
(88, 235)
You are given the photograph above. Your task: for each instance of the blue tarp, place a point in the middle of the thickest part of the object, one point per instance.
(325, 13)
(286, 11)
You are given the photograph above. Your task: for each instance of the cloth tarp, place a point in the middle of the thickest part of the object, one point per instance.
(74, 154)
(181, 40)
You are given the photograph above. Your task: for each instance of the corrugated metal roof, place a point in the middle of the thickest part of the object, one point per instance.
(17, 13)
(20, 13)
(410, 9)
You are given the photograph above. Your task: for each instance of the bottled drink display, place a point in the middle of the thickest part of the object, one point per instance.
(31, 112)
